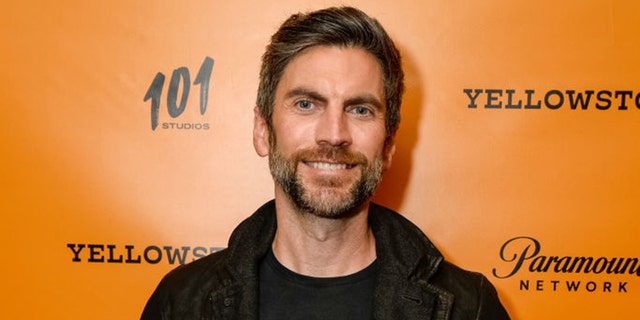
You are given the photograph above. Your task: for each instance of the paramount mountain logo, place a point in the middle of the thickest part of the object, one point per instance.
(524, 255)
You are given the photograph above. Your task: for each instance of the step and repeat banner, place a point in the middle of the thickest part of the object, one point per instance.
(126, 146)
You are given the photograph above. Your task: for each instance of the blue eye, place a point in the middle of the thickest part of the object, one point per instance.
(361, 111)
(305, 104)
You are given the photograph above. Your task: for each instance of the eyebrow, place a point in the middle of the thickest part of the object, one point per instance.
(304, 92)
(362, 99)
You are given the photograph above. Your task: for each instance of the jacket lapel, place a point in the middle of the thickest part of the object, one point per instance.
(407, 260)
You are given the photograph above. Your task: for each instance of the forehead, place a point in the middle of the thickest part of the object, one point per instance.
(333, 70)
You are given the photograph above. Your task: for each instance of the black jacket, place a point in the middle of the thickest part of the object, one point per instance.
(414, 281)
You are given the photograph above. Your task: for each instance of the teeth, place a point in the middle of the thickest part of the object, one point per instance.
(328, 166)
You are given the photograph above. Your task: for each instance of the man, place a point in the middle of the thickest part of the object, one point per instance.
(327, 111)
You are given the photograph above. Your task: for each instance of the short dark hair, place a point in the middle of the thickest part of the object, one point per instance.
(335, 26)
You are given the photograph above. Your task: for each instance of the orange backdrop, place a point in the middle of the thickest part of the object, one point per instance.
(494, 145)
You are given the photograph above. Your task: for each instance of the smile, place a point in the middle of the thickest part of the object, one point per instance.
(329, 166)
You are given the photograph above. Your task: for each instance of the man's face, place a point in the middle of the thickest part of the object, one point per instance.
(327, 150)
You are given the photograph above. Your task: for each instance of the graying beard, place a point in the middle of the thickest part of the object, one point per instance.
(287, 179)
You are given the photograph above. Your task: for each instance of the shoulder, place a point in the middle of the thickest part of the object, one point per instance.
(406, 250)
(458, 280)
(198, 272)
(187, 286)
(473, 292)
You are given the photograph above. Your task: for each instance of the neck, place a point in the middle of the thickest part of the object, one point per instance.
(322, 247)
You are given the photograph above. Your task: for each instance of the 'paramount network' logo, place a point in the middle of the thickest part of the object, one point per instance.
(523, 254)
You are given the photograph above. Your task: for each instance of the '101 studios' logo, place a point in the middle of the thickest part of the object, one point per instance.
(180, 82)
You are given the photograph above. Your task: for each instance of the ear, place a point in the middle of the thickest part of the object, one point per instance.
(389, 151)
(260, 134)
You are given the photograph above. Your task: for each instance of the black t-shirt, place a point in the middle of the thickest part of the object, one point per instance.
(285, 294)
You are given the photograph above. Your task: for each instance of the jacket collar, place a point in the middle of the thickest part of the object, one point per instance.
(251, 241)
(401, 247)
(406, 260)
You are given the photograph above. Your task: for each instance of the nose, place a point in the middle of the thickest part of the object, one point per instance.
(333, 128)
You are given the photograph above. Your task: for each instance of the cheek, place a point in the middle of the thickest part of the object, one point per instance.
(287, 140)
(292, 134)
(370, 138)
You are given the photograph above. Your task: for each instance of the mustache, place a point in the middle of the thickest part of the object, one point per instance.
(330, 154)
